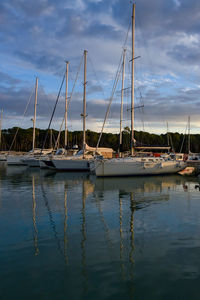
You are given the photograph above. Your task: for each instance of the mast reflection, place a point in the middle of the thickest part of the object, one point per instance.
(84, 238)
(34, 218)
(65, 226)
(105, 225)
(51, 219)
(131, 254)
(121, 255)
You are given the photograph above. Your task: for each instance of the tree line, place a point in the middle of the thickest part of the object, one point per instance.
(23, 140)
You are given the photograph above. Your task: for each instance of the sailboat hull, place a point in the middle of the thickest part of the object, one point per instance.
(2, 157)
(31, 162)
(71, 164)
(15, 160)
(132, 167)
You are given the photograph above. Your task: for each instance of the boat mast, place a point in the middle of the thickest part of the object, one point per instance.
(34, 119)
(84, 101)
(122, 97)
(66, 104)
(1, 124)
(188, 134)
(132, 82)
(167, 135)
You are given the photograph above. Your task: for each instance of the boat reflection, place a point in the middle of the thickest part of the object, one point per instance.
(146, 190)
(146, 184)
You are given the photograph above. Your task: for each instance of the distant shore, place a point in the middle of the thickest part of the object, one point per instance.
(23, 140)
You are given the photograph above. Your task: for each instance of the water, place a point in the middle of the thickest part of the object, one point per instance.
(73, 236)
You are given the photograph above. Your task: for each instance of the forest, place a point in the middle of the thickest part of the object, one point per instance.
(19, 139)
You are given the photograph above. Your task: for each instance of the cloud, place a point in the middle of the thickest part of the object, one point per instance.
(37, 37)
(42, 60)
(7, 79)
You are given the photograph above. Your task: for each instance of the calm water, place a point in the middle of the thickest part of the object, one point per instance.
(73, 236)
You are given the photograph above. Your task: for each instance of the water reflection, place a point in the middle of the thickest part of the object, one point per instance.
(101, 237)
(51, 218)
(65, 227)
(84, 237)
(141, 184)
(34, 219)
(121, 255)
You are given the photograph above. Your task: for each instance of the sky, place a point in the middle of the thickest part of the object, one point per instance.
(37, 37)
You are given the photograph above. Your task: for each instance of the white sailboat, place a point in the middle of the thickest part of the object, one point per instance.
(136, 165)
(81, 161)
(34, 159)
(19, 159)
(43, 160)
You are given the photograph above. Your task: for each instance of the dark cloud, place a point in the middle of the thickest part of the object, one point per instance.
(14, 101)
(43, 61)
(175, 107)
(7, 79)
(185, 54)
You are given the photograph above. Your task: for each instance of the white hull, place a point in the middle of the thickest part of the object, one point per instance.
(15, 160)
(133, 166)
(2, 157)
(72, 164)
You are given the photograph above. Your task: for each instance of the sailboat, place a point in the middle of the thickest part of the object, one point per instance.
(81, 160)
(134, 165)
(17, 158)
(25, 159)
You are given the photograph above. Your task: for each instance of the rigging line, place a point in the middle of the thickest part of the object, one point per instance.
(142, 103)
(58, 137)
(69, 101)
(75, 80)
(53, 137)
(126, 38)
(111, 98)
(95, 74)
(114, 86)
(141, 110)
(26, 108)
(45, 101)
(52, 115)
